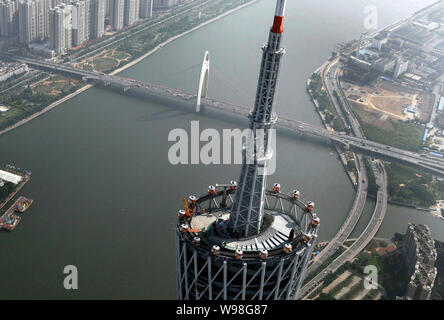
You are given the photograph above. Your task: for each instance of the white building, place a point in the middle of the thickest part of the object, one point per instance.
(400, 68)
(60, 19)
(8, 70)
(384, 64)
(379, 40)
(33, 20)
(80, 21)
(10, 177)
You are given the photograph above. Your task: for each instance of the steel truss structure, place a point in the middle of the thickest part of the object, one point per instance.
(202, 275)
(257, 245)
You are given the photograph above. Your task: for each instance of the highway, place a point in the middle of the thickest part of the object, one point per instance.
(368, 234)
(330, 78)
(433, 165)
(349, 223)
(362, 183)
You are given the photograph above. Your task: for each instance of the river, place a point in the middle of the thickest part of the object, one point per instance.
(106, 196)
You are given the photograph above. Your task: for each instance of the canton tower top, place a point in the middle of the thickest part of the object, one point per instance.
(246, 216)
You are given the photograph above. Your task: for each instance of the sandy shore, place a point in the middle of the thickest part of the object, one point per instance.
(132, 63)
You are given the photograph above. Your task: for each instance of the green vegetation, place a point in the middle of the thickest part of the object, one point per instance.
(325, 296)
(371, 295)
(147, 40)
(346, 282)
(359, 77)
(26, 100)
(412, 186)
(321, 96)
(403, 135)
(343, 110)
(398, 239)
(333, 292)
(324, 265)
(372, 186)
(393, 282)
(353, 291)
(120, 55)
(105, 64)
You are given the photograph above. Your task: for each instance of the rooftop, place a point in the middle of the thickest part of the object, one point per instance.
(10, 177)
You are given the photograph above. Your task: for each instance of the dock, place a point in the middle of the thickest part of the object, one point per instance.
(12, 217)
(26, 178)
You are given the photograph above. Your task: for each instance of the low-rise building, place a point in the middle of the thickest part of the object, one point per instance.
(8, 70)
(384, 64)
(379, 40)
(400, 68)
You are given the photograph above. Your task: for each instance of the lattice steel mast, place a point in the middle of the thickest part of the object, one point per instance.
(247, 213)
(242, 241)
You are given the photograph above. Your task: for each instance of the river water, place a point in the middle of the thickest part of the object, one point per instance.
(106, 196)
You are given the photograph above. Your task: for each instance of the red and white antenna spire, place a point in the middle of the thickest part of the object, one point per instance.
(278, 25)
(248, 211)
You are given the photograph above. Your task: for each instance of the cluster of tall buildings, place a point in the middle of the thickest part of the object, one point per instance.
(64, 24)
(420, 255)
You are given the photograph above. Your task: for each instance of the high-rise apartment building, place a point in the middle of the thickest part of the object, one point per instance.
(131, 14)
(97, 18)
(60, 22)
(79, 22)
(146, 9)
(117, 10)
(26, 15)
(8, 18)
(33, 20)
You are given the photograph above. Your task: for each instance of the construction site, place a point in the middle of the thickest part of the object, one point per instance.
(388, 100)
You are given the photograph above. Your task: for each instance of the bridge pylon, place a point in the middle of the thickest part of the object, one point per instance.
(203, 80)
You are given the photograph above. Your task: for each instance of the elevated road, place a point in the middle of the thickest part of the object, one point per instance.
(350, 222)
(368, 234)
(359, 144)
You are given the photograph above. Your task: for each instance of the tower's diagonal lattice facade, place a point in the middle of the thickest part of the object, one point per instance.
(240, 240)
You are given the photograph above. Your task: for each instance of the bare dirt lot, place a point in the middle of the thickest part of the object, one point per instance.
(390, 100)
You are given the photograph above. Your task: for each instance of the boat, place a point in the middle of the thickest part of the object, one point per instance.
(23, 204)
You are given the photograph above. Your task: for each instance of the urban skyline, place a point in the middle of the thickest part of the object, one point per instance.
(64, 24)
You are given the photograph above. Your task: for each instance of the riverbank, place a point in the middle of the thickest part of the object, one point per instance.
(126, 66)
(351, 177)
(342, 158)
